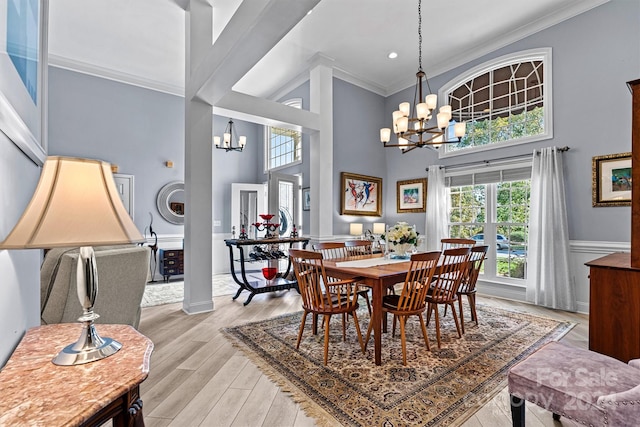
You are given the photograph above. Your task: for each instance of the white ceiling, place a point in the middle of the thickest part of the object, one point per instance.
(142, 41)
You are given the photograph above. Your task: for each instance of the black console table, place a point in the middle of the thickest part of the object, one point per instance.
(265, 252)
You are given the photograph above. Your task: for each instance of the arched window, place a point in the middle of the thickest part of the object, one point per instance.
(504, 101)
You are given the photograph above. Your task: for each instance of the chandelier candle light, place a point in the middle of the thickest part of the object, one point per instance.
(228, 140)
(411, 126)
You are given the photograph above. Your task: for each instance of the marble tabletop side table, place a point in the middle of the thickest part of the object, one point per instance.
(35, 392)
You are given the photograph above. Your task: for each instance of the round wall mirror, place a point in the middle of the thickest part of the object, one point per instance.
(170, 202)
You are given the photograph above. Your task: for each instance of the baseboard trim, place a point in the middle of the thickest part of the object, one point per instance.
(197, 308)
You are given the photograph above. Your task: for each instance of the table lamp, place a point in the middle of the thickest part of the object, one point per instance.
(379, 228)
(355, 229)
(76, 203)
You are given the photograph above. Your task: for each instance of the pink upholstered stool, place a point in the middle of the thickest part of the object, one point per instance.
(581, 385)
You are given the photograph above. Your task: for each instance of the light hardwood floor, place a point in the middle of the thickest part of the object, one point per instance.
(197, 378)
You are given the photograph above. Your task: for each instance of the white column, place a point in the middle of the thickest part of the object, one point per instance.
(321, 157)
(198, 169)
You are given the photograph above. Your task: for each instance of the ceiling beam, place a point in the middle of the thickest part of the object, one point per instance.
(253, 30)
(265, 112)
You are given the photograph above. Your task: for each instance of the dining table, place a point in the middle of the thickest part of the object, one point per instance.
(376, 272)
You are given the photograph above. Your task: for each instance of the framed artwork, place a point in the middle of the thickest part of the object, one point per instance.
(124, 185)
(360, 195)
(306, 199)
(412, 195)
(611, 180)
(23, 67)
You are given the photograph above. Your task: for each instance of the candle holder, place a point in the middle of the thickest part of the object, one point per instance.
(267, 226)
(243, 233)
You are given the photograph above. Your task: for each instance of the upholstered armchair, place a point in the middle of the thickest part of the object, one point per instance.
(122, 276)
(584, 386)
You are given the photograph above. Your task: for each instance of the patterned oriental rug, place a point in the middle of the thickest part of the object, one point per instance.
(436, 388)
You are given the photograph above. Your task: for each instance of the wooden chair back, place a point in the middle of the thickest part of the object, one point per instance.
(320, 295)
(331, 250)
(453, 268)
(477, 255)
(359, 247)
(416, 283)
(456, 242)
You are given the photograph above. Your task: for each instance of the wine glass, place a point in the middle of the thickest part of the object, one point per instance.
(269, 273)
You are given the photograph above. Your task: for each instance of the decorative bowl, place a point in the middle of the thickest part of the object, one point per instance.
(269, 272)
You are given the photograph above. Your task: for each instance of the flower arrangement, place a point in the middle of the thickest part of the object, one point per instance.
(401, 233)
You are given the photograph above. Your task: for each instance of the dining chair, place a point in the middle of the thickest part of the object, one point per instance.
(323, 297)
(332, 250)
(444, 288)
(359, 247)
(412, 299)
(456, 242)
(467, 286)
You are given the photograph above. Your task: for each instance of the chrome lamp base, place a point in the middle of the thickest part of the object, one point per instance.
(89, 348)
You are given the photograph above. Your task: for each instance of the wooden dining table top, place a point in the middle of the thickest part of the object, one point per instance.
(377, 272)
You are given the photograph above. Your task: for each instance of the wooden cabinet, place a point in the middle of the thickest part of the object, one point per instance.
(171, 262)
(614, 307)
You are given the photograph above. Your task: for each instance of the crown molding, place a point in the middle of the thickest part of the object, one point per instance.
(569, 11)
(115, 75)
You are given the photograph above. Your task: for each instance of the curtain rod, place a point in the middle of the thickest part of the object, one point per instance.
(488, 162)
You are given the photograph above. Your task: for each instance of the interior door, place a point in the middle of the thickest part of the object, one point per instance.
(247, 202)
(283, 201)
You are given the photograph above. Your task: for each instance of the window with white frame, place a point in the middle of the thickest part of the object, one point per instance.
(504, 101)
(492, 207)
(283, 146)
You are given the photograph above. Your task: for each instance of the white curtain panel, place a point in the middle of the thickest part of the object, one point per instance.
(437, 208)
(548, 281)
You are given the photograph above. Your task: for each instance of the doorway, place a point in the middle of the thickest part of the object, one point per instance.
(284, 199)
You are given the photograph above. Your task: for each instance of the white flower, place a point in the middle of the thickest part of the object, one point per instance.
(401, 233)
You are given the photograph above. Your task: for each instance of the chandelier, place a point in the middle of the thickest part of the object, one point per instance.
(229, 142)
(411, 126)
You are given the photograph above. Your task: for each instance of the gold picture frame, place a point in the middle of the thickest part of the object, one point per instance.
(411, 195)
(360, 195)
(611, 180)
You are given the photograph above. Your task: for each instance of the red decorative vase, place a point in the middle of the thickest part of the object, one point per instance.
(269, 272)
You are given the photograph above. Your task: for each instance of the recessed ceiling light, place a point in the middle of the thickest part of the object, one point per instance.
(309, 13)
(392, 55)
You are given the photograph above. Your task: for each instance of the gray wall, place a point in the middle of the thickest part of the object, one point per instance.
(234, 166)
(134, 128)
(19, 269)
(357, 118)
(594, 55)
(139, 130)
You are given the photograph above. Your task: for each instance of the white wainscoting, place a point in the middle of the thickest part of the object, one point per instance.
(220, 252)
(580, 252)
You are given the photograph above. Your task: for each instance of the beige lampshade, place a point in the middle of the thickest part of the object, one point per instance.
(355, 229)
(76, 203)
(379, 228)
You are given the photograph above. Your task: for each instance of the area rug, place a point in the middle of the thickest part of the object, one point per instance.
(436, 388)
(158, 293)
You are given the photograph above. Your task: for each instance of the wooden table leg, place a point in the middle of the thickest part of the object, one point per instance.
(376, 318)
